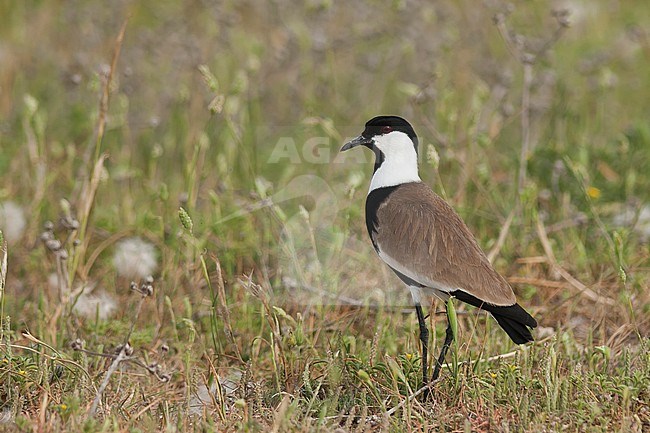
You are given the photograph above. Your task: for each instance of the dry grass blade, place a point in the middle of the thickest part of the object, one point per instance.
(225, 312)
(86, 202)
(502, 236)
(103, 104)
(3, 279)
(87, 196)
(538, 282)
(57, 357)
(100, 249)
(37, 161)
(69, 363)
(584, 290)
(3, 264)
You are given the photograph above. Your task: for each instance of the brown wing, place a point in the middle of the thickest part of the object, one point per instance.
(425, 239)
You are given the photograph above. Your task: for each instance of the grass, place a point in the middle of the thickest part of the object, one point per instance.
(211, 132)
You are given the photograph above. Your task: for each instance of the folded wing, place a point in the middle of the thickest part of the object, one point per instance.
(421, 236)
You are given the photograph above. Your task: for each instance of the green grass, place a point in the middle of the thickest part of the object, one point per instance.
(235, 113)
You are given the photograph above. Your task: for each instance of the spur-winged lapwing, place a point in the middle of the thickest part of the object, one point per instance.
(424, 241)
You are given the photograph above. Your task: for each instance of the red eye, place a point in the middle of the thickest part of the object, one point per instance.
(386, 129)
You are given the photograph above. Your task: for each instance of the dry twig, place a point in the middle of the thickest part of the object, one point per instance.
(528, 59)
(125, 349)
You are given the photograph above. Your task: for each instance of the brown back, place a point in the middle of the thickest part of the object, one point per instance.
(423, 233)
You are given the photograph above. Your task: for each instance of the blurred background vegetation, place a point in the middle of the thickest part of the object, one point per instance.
(205, 92)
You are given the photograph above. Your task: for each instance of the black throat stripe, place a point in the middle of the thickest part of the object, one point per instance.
(373, 201)
(379, 159)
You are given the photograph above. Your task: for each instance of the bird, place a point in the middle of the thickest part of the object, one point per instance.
(425, 242)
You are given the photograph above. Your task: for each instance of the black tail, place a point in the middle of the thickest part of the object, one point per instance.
(517, 331)
(513, 319)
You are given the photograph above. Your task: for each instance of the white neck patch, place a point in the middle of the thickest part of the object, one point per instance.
(400, 161)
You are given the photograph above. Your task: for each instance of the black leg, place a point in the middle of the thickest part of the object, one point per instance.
(449, 336)
(424, 338)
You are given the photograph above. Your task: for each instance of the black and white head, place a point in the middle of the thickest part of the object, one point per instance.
(395, 145)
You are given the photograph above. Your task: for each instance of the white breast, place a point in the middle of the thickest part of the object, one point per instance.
(400, 163)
